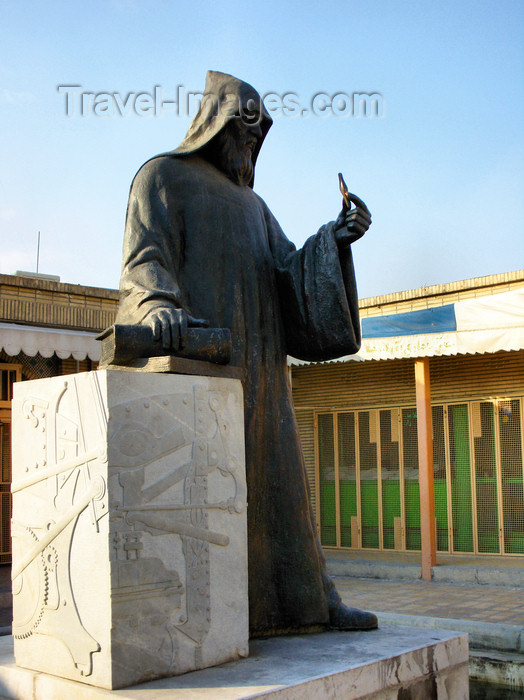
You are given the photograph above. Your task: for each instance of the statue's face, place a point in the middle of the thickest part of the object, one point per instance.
(246, 133)
(233, 149)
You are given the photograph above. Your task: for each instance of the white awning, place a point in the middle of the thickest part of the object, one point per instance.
(431, 345)
(31, 340)
(486, 324)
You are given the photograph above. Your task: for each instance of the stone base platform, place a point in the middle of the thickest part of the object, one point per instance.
(383, 664)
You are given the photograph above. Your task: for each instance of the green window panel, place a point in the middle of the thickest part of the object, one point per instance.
(411, 476)
(460, 468)
(347, 470)
(368, 480)
(326, 457)
(484, 441)
(510, 430)
(390, 476)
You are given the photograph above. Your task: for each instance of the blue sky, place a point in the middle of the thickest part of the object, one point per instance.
(442, 170)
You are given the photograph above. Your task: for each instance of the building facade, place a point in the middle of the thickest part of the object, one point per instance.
(358, 422)
(357, 416)
(47, 329)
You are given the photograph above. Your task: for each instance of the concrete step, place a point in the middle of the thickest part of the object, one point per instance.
(496, 651)
(483, 636)
(503, 668)
(391, 662)
(507, 576)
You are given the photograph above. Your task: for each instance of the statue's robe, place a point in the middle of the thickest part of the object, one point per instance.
(197, 241)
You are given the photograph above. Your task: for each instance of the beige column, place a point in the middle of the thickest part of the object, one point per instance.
(425, 458)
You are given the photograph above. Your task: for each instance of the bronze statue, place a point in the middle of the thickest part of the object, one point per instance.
(201, 248)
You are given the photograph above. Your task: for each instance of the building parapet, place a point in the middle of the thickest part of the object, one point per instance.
(44, 302)
(440, 294)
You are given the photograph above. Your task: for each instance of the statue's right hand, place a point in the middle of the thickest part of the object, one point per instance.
(170, 325)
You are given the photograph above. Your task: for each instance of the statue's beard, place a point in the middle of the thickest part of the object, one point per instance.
(231, 154)
(237, 164)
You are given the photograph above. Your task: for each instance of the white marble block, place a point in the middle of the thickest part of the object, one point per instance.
(129, 525)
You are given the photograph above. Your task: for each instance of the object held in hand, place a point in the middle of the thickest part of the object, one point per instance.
(344, 190)
(123, 343)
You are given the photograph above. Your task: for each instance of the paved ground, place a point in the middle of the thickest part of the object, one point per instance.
(491, 604)
(480, 603)
(443, 558)
(492, 615)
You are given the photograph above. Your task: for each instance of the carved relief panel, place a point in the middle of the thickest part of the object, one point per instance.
(129, 525)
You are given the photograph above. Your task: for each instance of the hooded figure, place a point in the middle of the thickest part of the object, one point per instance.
(201, 247)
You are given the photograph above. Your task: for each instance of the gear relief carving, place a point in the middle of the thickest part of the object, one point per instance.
(158, 454)
(61, 476)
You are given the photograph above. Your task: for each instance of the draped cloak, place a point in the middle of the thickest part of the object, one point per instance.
(197, 241)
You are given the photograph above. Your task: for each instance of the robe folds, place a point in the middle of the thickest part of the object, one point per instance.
(197, 241)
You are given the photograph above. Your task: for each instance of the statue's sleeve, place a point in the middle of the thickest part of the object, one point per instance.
(317, 294)
(153, 245)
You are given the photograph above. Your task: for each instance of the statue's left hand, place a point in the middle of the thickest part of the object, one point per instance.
(352, 224)
(170, 325)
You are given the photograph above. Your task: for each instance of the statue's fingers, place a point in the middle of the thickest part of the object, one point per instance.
(360, 213)
(358, 202)
(181, 327)
(364, 214)
(340, 220)
(357, 227)
(156, 327)
(176, 335)
(197, 322)
(346, 206)
(364, 221)
(163, 318)
(166, 334)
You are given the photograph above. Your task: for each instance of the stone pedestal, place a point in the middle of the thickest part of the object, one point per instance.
(129, 525)
(409, 663)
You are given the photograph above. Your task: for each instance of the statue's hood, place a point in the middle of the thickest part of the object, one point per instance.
(224, 98)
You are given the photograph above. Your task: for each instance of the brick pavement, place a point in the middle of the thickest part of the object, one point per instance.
(462, 602)
(480, 603)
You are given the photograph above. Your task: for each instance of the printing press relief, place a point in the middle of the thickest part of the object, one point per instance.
(158, 454)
